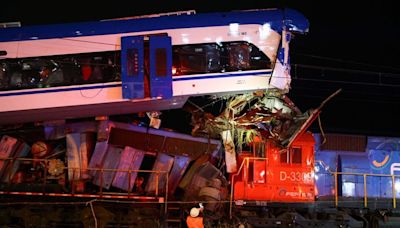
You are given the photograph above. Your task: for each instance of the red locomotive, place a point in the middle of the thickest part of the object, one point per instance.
(281, 175)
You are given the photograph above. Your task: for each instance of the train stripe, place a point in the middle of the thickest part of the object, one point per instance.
(56, 90)
(118, 84)
(222, 76)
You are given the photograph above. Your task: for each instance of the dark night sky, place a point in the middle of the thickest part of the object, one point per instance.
(352, 46)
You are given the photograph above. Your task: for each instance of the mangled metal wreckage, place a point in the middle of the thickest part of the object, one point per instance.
(270, 115)
(106, 159)
(112, 160)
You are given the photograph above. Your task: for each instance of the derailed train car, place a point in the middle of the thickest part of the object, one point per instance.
(104, 162)
(92, 169)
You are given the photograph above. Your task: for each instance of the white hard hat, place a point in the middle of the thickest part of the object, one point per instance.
(194, 212)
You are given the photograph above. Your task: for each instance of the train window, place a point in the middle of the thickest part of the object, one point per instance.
(161, 62)
(259, 149)
(259, 172)
(296, 155)
(292, 156)
(244, 56)
(212, 58)
(251, 172)
(3, 76)
(238, 56)
(62, 70)
(258, 59)
(284, 156)
(196, 59)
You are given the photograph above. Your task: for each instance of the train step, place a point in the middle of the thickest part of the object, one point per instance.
(174, 216)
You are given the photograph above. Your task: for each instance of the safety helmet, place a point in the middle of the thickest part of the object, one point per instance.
(194, 212)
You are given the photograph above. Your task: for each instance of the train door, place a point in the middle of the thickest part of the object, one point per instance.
(160, 53)
(146, 63)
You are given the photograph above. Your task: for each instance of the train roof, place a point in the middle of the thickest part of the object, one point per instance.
(277, 18)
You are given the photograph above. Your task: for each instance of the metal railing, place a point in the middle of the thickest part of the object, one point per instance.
(128, 195)
(246, 161)
(365, 175)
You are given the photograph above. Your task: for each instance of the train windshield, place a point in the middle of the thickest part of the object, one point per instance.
(213, 58)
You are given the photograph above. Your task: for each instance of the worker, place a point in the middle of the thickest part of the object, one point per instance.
(194, 220)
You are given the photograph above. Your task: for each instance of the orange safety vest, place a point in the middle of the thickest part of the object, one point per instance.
(194, 222)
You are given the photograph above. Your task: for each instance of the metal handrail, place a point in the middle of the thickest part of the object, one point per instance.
(365, 175)
(247, 160)
(101, 170)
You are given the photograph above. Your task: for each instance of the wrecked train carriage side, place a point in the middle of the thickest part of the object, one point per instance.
(134, 162)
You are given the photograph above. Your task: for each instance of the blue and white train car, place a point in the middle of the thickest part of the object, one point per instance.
(147, 63)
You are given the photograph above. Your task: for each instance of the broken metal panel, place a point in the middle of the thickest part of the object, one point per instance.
(192, 170)
(311, 116)
(203, 174)
(21, 151)
(230, 154)
(180, 165)
(281, 78)
(131, 159)
(163, 163)
(79, 147)
(96, 161)
(8, 146)
(104, 178)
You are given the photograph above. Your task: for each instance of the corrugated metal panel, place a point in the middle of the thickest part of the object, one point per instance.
(79, 148)
(111, 161)
(177, 171)
(340, 142)
(163, 163)
(131, 159)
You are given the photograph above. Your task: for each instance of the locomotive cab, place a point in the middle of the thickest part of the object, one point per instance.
(275, 174)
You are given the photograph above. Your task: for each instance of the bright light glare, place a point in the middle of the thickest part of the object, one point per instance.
(185, 40)
(397, 185)
(265, 31)
(234, 28)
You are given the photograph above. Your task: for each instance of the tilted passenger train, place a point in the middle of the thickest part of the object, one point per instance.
(147, 63)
